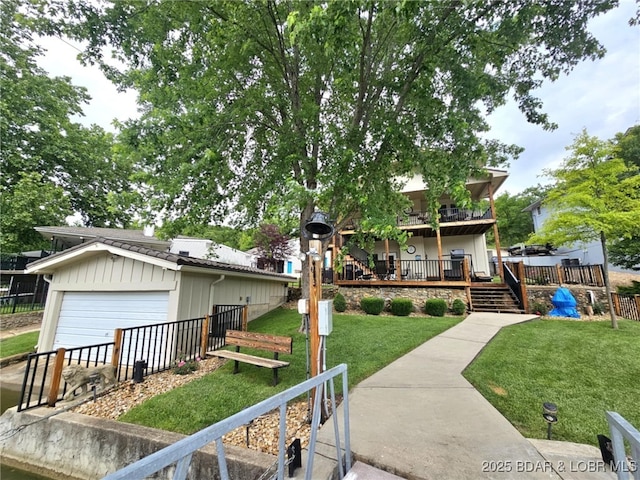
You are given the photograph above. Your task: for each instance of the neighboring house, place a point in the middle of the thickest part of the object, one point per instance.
(575, 254)
(101, 285)
(292, 265)
(432, 256)
(65, 237)
(204, 248)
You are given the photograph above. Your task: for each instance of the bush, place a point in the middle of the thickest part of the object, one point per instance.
(339, 302)
(436, 307)
(372, 305)
(401, 306)
(539, 308)
(182, 366)
(633, 289)
(458, 307)
(598, 308)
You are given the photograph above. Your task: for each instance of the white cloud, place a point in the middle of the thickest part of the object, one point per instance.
(107, 102)
(601, 96)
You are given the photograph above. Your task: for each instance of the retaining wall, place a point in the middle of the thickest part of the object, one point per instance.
(417, 295)
(15, 320)
(80, 447)
(543, 294)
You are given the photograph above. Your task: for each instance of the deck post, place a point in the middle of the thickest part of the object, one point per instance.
(54, 388)
(496, 233)
(204, 337)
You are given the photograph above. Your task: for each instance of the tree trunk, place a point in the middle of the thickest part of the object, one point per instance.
(607, 285)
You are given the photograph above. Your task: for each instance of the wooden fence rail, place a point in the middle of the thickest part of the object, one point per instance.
(559, 274)
(626, 306)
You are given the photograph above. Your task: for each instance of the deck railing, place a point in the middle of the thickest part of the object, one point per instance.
(446, 215)
(559, 274)
(626, 306)
(622, 430)
(404, 270)
(181, 452)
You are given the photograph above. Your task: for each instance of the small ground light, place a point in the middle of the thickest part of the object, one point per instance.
(550, 415)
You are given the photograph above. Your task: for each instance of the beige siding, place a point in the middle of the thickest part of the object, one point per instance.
(101, 271)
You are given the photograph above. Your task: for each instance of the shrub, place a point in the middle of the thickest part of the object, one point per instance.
(539, 308)
(633, 289)
(401, 306)
(182, 366)
(436, 307)
(458, 307)
(372, 305)
(339, 302)
(598, 308)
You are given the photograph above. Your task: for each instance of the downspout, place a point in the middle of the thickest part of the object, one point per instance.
(211, 289)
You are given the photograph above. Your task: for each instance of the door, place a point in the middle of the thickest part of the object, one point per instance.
(90, 318)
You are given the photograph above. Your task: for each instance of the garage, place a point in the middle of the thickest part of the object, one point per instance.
(90, 318)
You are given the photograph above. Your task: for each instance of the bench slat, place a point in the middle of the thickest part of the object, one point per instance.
(243, 357)
(259, 341)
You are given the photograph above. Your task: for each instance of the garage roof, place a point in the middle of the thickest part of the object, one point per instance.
(168, 260)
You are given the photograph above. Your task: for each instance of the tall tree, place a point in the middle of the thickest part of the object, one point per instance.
(595, 197)
(324, 104)
(627, 145)
(514, 224)
(272, 244)
(39, 136)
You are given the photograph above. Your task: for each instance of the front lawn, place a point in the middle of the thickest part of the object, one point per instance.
(585, 368)
(23, 343)
(365, 343)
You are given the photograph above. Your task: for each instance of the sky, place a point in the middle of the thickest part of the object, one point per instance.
(600, 96)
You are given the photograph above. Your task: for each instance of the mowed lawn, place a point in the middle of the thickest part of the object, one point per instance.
(366, 343)
(23, 343)
(585, 368)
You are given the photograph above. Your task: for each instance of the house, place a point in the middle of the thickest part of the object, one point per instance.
(104, 284)
(569, 255)
(204, 248)
(65, 237)
(447, 255)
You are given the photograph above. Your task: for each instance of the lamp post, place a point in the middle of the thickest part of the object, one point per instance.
(316, 229)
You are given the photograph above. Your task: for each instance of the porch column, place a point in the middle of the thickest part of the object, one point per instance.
(439, 242)
(496, 235)
(386, 249)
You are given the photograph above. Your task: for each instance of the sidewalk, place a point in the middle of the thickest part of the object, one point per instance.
(418, 418)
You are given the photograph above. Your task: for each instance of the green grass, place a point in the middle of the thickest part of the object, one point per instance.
(364, 343)
(585, 368)
(19, 344)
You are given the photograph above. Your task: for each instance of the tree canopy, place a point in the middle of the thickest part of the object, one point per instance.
(324, 104)
(596, 197)
(42, 146)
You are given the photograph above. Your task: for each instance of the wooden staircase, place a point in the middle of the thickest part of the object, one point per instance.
(494, 297)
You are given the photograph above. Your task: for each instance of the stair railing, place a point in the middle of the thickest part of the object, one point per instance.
(516, 287)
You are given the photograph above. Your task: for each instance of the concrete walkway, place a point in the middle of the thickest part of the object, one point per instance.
(418, 418)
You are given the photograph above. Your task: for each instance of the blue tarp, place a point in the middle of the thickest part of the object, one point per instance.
(564, 304)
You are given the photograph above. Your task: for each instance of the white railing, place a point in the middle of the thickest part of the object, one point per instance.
(180, 453)
(620, 430)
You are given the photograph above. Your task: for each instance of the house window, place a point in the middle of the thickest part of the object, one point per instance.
(183, 253)
(538, 210)
(289, 266)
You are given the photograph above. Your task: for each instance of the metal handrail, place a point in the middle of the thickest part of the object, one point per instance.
(181, 452)
(621, 429)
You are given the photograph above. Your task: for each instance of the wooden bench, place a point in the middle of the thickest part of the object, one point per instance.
(258, 341)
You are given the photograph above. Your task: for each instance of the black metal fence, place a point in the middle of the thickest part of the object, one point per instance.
(152, 348)
(24, 296)
(40, 383)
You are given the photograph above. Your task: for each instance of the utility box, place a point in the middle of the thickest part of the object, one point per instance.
(303, 306)
(325, 317)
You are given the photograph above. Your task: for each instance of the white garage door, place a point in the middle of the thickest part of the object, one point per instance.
(90, 318)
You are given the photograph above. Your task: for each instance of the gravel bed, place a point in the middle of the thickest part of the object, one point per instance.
(263, 431)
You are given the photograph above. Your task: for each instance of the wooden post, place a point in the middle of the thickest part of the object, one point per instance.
(117, 347)
(204, 337)
(466, 271)
(599, 276)
(560, 275)
(245, 317)
(398, 270)
(439, 243)
(637, 299)
(496, 233)
(54, 388)
(616, 303)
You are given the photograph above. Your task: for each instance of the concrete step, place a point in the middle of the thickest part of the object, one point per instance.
(362, 471)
